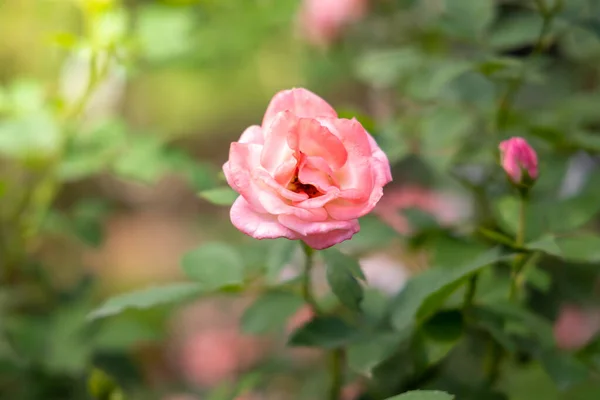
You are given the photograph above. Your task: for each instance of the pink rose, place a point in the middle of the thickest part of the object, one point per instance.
(321, 21)
(518, 156)
(446, 208)
(211, 357)
(575, 327)
(305, 174)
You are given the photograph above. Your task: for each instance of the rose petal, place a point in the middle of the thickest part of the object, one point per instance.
(319, 201)
(259, 226)
(252, 134)
(315, 171)
(300, 102)
(312, 139)
(264, 177)
(243, 158)
(276, 150)
(307, 228)
(382, 164)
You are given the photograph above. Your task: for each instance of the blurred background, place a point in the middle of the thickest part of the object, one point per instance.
(115, 120)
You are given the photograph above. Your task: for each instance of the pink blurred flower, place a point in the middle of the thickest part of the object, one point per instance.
(217, 355)
(445, 208)
(516, 156)
(301, 317)
(322, 21)
(305, 174)
(575, 327)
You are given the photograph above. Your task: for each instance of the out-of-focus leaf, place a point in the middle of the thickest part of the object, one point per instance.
(323, 332)
(455, 123)
(467, 18)
(164, 32)
(35, 135)
(280, 253)
(367, 353)
(374, 234)
(121, 334)
(538, 278)
(93, 150)
(146, 298)
(582, 247)
(537, 216)
(445, 326)
(384, 68)
(564, 369)
(214, 266)
(431, 79)
(424, 293)
(530, 324)
(223, 196)
(547, 244)
(423, 395)
(145, 160)
(342, 274)
(270, 312)
(518, 30)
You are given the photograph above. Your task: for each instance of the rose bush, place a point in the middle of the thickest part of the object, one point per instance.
(305, 173)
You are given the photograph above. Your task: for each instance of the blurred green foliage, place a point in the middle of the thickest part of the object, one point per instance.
(100, 98)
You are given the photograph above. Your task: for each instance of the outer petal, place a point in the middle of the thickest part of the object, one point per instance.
(382, 164)
(252, 134)
(276, 151)
(300, 102)
(243, 158)
(343, 210)
(306, 228)
(259, 226)
(324, 240)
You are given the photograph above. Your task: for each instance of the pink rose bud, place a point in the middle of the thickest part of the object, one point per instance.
(518, 156)
(305, 174)
(322, 21)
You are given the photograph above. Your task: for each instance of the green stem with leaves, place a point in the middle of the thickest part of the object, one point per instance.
(335, 356)
(505, 103)
(521, 259)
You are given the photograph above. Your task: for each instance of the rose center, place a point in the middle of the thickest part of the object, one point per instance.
(296, 186)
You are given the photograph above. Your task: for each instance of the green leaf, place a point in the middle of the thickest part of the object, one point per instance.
(223, 196)
(164, 32)
(214, 266)
(423, 395)
(145, 160)
(547, 244)
(368, 353)
(564, 369)
(384, 68)
(538, 278)
(374, 234)
(146, 298)
(279, 255)
(323, 332)
(432, 78)
(445, 326)
(342, 274)
(270, 312)
(537, 216)
(516, 31)
(583, 248)
(424, 293)
(528, 324)
(468, 18)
